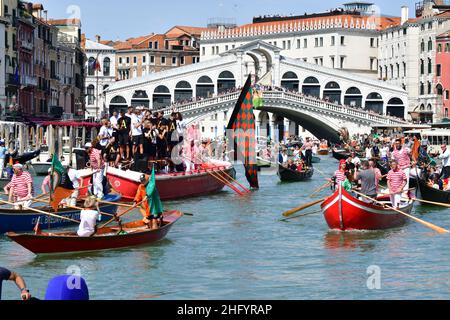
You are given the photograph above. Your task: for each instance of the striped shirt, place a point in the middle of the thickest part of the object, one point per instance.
(396, 179)
(402, 157)
(94, 157)
(19, 184)
(340, 176)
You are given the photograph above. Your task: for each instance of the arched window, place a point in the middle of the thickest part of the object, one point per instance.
(225, 82)
(161, 97)
(311, 87)
(429, 87)
(332, 92)
(118, 103)
(90, 94)
(140, 99)
(396, 108)
(290, 81)
(106, 67)
(91, 66)
(353, 98)
(430, 44)
(422, 46)
(183, 91)
(374, 102)
(430, 66)
(439, 90)
(205, 87)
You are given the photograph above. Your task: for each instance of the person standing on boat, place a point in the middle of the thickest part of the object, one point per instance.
(340, 175)
(105, 134)
(124, 131)
(445, 157)
(20, 189)
(397, 180)
(136, 132)
(307, 147)
(7, 275)
(98, 166)
(89, 218)
(141, 196)
(369, 179)
(402, 155)
(114, 120)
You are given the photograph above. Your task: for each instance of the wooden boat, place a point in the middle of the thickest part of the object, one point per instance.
(344, 212)
(288, 175)
(23, 158)
(340, 154)
(323, 152)
(171, 186)
(25, 220)
(135, 234)
(431, 194)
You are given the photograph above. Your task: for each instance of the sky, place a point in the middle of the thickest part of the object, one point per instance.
(114, 20)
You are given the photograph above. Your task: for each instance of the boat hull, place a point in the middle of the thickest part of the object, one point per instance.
(105, 239)
(25, 221)
(170, 186)
(434, 195)
(323, 152)
(344, 212)
(287, 175)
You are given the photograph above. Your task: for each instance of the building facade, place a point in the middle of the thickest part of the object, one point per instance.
(344, 39)
(407, 58)
(442, 80)
(98, 79)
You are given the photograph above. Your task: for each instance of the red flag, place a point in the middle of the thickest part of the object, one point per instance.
(59, 195)
(37, 229)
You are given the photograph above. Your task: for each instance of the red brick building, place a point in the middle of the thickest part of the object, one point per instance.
(442, 81)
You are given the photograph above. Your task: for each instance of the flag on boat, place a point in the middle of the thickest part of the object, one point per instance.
(243, 129)
(57, 191)
(37, 229)
(154, 201)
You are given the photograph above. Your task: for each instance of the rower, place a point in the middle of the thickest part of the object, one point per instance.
(20, 189)
(340, 175)
(396, 182)
(369, 181)
(72, 183)
(89, 217)
(149, 219)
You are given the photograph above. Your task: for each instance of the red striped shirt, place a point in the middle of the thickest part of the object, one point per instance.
(402, 157)
(396, 179)
(340, 176)
(19, 184)
(94, 157)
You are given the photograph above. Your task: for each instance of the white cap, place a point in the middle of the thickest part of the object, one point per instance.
(18, 166)
(88, 145)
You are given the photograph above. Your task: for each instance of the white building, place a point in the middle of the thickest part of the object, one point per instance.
(342, 39)
(97, 81)
(407, 58)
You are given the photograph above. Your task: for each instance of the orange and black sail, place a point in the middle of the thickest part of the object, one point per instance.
(242, 126)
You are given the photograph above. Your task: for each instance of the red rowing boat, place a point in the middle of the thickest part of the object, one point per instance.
(344, 212)
(174, 185)
(136, 234)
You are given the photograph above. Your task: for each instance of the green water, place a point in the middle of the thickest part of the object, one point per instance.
(236, 248)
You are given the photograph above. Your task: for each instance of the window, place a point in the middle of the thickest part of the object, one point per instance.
(316, 42)
(305, 43)
(150, 45)
(182, 60)
(91, 94)
(333, 41)
(321, 42)
(332, 62)
(430, 45)
(156, 45)
(217, 49)
(152, 59)
(120, 60)
(404, 69)
(422, 89)
(213, 50)
(134, 60)
(128, 59)
(430, 66)
(174, 61)
(447, 94)
(342, 40)
(163, 60)
(429, 87)
(289, 45)
(284, 45)
(438, 70)
(422, 67)
(447, 47)
(144, 59)
(342, 62)
(203, 51)
(299, 43)
(439, 48)
(422, 46)
(106, 67)
(226, 48)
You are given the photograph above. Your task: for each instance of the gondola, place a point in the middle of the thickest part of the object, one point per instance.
(323, 152)
(344, 212)
(340, 154)
(25, 220)
(130, 235)
(288, 175)
(431, 194)
(23, 158)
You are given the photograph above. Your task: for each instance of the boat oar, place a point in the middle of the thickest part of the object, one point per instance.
(43, 212)
(326, 185)
(303, 207)
(114, 203)
(301, 215)
(225, 182)
(432, 202)
(123, 213)
(425, 223)
(234, 180)
(75, 208)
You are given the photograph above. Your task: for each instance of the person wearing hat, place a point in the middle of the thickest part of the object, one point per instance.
(20, 189)
(3, 151)
(141, 196)
(341, 174)
(88, 218)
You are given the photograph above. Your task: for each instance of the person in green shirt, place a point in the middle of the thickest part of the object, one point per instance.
(346, 183)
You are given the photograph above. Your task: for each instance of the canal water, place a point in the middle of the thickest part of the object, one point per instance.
(236, 248)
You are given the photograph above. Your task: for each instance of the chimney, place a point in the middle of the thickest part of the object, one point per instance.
(98, 38)
(405, 14)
